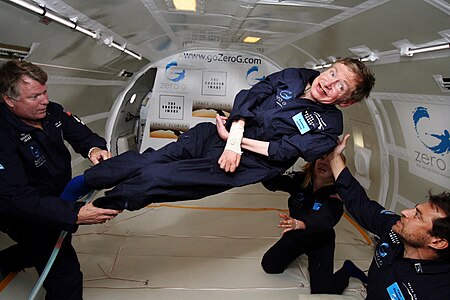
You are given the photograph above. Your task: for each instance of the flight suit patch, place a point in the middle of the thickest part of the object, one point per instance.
(306, 121)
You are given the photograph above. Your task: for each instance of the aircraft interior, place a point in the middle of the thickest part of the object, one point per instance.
(141, 72)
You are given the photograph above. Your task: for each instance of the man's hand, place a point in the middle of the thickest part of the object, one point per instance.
(340, 147)
(229, 161)
(96, 155)
(220, 125)
(89, 214)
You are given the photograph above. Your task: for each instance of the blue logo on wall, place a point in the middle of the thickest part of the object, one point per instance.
(442, 144)
(252, 76)
(173, 74)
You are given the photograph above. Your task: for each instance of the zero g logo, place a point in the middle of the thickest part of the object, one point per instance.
(253, 77)
(438, 143)
(382, 250)
(35, 152)
(286, 95)
(173, 73)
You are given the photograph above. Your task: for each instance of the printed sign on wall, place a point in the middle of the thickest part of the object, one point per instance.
(193, 86)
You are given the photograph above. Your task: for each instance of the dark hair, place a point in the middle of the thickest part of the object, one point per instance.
(364, 77)
(12, 72)
(441, 226)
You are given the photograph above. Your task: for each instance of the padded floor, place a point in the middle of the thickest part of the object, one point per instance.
(203, 249)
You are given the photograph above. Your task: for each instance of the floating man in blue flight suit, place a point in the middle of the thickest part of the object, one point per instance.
(288, 115)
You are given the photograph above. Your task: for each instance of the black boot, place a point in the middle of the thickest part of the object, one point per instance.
(110, 203)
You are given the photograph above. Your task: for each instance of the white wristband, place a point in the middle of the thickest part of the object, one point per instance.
(235, 138)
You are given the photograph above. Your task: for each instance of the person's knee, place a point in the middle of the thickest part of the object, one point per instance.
(269, 267)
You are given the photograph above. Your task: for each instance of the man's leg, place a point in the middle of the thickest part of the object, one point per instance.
(184, 170)
(65, 280)
(14, 259)
(37, 242)
(112, 171)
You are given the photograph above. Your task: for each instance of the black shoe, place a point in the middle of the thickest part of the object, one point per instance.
(110, 203)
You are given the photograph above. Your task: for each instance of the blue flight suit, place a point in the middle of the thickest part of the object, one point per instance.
(35, 166)
(188, 168)
(320, 211)
(391, 276)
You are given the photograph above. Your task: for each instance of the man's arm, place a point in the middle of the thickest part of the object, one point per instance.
(18, 198)
(231, 156)
(368, 213)
(81, 138)
(256, 146)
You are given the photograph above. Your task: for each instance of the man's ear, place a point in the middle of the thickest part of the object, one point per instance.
(9, 102)
(438, 243)
(347, 103)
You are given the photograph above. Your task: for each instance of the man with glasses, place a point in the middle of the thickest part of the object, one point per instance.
(290, 114)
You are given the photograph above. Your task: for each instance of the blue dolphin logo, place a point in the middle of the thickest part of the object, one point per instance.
(172, 75)
(443, 144)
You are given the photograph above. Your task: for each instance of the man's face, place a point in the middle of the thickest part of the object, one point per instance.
(334, 85)
(414, 226)
(31, 105)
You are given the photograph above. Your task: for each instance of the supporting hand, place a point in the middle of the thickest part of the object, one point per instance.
(89, 214)
(96, 155)
(337, 164)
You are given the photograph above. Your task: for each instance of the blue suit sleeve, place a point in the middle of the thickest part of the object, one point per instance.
(368, 213)
(289, 183)
(309, 146)
(247, 100)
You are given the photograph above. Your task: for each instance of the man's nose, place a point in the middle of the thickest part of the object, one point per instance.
(329, 83)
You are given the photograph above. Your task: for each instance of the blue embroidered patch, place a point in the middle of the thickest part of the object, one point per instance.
(317, 205)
